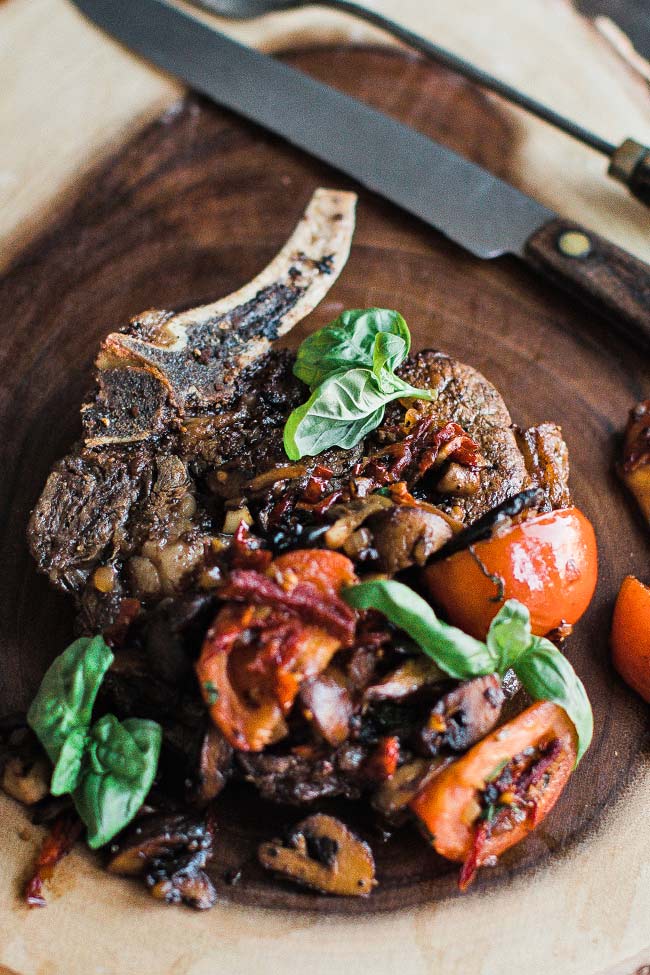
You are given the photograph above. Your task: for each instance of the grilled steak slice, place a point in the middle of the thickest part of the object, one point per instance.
(83, 512)
(467, 398)
(187, 423)
(151, 510)
(125, 499)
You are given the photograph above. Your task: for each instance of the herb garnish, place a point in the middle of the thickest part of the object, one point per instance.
(108, 767)
(211, 692)
(543, 670)
(349, 366)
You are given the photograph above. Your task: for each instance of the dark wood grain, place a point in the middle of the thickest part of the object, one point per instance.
(604, 276)
(190, 210)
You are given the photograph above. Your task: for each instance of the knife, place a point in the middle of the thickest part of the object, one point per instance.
(466, 203)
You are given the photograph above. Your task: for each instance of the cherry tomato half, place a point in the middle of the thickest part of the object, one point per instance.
(255, 655)
(500, 790)
(630, 639)
(548, 562)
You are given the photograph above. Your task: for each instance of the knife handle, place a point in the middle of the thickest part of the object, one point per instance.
(591, 268)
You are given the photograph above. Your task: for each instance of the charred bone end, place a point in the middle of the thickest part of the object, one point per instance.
(191, 360)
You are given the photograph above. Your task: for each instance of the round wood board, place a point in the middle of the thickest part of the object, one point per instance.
(189, 210)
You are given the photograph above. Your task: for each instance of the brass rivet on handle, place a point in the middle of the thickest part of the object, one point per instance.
(573, 243)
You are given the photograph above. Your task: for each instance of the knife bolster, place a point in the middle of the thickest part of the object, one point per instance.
(630, 164)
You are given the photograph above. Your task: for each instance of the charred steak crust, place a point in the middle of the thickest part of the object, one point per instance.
(196, 357)
(467, 398)
(151, 510)
(187, 424)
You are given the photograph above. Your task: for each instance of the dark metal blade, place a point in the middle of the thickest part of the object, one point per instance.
(465, 202)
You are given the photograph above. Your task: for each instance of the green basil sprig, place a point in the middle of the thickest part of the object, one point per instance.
(341, 411)
(350, 368)
(456, 653)
(350, 341)
(542, 669)
(118, 770)
(108, 767)
(61, 711)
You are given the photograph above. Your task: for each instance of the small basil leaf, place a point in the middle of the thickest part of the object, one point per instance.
(389, 352)
(509, 635)
(547, 675)
(395, 388)
(346, 343)
(455, 652)
(65, 699)
(68, 766)
(341, 411)
(338, 413)
(118, 770)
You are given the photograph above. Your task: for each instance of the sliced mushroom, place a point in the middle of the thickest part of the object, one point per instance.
(351, 516)
(410, 677)
(361, 666)
(393, 796)
(459, 480)
(215, 766)
(27, 780)
(24, 770)
(323, 854)
(406, 536)
(463, 716)
(285, 472)
(181, 881)
(169, 852)
(299, 779)
(328, 706)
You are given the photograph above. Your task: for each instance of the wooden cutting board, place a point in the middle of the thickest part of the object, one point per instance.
(189, 210)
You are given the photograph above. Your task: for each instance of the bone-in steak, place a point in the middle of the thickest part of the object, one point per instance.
(187, 422)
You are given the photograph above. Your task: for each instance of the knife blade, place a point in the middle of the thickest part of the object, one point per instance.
(465, 202)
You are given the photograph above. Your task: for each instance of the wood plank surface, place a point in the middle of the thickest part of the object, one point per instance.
(581, 914)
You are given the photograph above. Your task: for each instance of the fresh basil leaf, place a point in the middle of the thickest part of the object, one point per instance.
(547, 675)
(68, 766)
(509, 635)
(455, 652)
(388, 353)
(338, 413)
(396, 388)
(64, 702)
(118, 770)
(348, 342)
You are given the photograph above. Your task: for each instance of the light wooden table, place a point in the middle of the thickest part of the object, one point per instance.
(68, 96)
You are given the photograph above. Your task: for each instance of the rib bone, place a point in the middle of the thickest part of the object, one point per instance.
(180, 363)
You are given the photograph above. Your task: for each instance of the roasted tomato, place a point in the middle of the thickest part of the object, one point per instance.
(492, 797)
(548, 562)
(630, 638)
(277, 629)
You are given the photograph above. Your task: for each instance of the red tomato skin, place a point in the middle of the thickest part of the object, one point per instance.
(630, 637)
(443, 804)
(549, 563)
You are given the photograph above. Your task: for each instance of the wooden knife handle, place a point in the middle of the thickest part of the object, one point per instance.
(603, 276)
